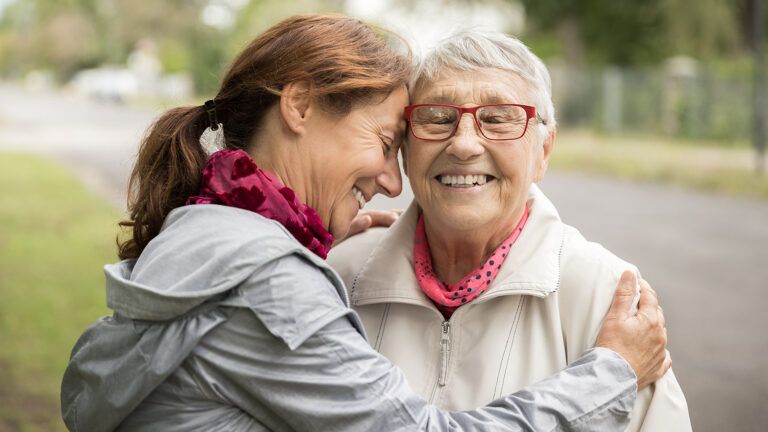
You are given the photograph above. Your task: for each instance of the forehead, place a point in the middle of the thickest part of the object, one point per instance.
(482, 86)
(387, 110)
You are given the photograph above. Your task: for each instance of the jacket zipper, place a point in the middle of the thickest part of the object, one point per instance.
(445, 351)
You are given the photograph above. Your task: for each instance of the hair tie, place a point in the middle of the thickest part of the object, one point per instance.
(212, 138)
(210, 108)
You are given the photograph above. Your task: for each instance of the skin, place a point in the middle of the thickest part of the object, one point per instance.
(322, 155)
(464, 226)
(640, 338)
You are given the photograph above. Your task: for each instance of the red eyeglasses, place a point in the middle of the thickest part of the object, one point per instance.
(437, 122)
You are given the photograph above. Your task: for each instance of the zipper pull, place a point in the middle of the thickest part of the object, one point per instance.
(445, 350)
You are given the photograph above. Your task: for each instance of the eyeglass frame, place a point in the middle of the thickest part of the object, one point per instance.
(530, 112)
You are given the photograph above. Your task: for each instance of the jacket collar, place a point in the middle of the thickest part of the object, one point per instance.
(532, 266)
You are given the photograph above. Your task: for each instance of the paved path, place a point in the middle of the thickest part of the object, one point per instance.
(704, 254)
(98, 139)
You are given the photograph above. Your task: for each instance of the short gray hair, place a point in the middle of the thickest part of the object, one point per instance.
(473, 49)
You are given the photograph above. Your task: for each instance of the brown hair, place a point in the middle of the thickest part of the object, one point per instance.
(343, 59)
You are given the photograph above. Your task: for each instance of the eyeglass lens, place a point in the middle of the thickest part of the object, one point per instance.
(496, 122)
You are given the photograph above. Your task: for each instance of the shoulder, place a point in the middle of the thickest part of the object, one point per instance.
(223, 223)
(293, 297)
(348, 257)
(206, 250)
(583, 258)
(589, 274)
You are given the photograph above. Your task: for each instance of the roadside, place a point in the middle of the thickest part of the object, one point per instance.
(21, 411)
(54, 239)
(705, 166)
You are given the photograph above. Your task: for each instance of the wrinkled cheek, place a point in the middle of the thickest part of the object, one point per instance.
(510, 191)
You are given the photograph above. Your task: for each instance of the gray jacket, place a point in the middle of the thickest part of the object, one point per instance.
(225, 322)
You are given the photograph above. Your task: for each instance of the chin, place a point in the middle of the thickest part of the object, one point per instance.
(465, 222)
(339, 224)
(463, 217)
(339, 232)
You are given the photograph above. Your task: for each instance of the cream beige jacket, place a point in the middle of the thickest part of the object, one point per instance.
(542, 312)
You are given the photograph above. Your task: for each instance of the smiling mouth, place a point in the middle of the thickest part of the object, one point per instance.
(359, 196)
(464, 181)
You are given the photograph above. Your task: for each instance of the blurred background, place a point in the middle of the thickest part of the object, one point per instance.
(660, 157)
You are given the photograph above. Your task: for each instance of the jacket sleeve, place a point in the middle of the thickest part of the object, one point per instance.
(589, 278)
(333, 380)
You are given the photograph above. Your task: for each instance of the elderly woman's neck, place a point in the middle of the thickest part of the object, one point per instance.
(456, 253)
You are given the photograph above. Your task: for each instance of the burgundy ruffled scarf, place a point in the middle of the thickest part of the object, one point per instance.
(231, 178)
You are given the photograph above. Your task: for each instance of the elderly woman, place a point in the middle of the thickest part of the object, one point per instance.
(479, 289)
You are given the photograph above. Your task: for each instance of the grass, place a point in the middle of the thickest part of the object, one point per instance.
(701, 165)
(54, 239)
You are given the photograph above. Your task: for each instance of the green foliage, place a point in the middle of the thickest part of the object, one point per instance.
(704, 31)
(70, 35)
(67, 36)
(257, 16)
(629, 32)
(54, 239)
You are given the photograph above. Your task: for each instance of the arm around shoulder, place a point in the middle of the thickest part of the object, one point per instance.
(589, 276)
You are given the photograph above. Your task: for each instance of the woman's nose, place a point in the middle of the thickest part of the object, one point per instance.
(390, 182)
(467, 142)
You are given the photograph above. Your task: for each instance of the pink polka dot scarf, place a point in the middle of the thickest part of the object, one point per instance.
(449, 297)
(231, 178)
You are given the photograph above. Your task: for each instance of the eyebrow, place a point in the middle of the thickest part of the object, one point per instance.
(440, 98)
(494, 99)
(486, 98)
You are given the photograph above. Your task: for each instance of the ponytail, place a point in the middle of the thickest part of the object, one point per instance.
(346, 62)
(167, 172)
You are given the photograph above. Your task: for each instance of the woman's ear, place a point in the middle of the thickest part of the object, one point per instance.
(295, 105)
(546, 152)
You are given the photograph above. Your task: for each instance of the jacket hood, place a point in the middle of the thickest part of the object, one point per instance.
(214, 248)
(167, 298)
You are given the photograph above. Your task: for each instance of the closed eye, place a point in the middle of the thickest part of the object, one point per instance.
(387, 143)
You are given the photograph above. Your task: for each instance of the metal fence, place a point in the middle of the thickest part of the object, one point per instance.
(679, 98)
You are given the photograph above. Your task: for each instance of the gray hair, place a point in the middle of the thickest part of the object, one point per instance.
(473, 49)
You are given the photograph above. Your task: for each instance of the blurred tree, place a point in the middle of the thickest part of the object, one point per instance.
(64, 36)
(612, 31)
(627, 32)
(258, 15)
(708, 30)
(48, 34)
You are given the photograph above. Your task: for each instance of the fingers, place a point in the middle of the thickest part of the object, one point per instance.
(660, 315)
(359, 224)
(667, 365)
(382, 218)
(659, 311)
(623, 296)
(648, 303)
(664, 366)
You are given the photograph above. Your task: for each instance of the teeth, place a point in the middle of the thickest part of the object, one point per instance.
(463, 180)
(359, 196)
